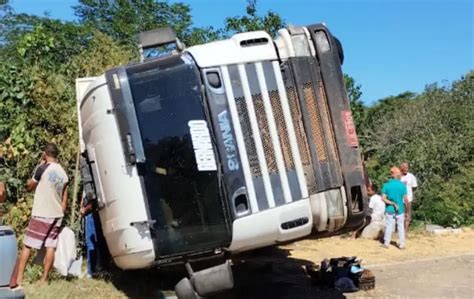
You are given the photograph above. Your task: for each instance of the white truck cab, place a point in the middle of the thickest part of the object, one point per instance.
(222, 148)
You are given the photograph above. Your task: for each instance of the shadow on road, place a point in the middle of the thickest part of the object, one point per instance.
(264, 273)
(144, 283)
(272, 273)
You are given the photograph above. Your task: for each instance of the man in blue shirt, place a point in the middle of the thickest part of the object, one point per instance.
(394, 194)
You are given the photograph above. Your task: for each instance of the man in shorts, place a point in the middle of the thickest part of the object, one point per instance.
(50, 183)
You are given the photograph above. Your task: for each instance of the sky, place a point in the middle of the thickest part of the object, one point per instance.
(390, 46)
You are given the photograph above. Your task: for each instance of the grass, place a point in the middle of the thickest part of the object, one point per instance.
(75, 288)
(148, 283)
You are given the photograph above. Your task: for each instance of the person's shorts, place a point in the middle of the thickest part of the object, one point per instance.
(42, 232)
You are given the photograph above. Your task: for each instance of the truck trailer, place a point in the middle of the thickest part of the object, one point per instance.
(221, 148)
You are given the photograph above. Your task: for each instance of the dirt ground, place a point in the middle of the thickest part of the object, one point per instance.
(431, 266)
(419, 245)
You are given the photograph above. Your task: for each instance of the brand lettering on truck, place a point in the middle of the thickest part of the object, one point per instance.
(229, 143)
(203, 151)
(351, 135)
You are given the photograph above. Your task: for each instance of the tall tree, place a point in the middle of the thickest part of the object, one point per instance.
(354, 90)
(271, 22)
(123, 20)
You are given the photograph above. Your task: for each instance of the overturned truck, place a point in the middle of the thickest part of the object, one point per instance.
(221, 148)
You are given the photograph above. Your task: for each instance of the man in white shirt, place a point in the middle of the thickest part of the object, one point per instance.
(410, 182)
(50, 183)
(376, 204)
(376, 221)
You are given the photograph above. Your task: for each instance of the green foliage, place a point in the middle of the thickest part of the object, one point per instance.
(37, 100)
(434, 131)
(123, 20)
(197, 36)
(101, 53)
(19, 214)
(271, 22)
(354, 90)
(41, 58)
(13, 27)
(449, 202)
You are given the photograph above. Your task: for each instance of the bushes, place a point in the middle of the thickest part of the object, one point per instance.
(434, 131)
(448, 202)
(38, 102)
(41, 58)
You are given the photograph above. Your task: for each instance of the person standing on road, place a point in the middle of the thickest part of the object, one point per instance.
(50, 183)
(394, 194)
(411, 184)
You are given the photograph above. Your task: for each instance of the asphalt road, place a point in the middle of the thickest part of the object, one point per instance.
(434, 278)
(451, 277)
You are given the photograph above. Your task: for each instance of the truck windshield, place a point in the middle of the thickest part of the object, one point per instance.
(179, 173)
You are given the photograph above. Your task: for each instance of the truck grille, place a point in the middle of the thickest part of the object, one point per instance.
(281, 128)
(316, 123)
(247, 133)
(299, 127)
(327, 124)
(269, 131)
